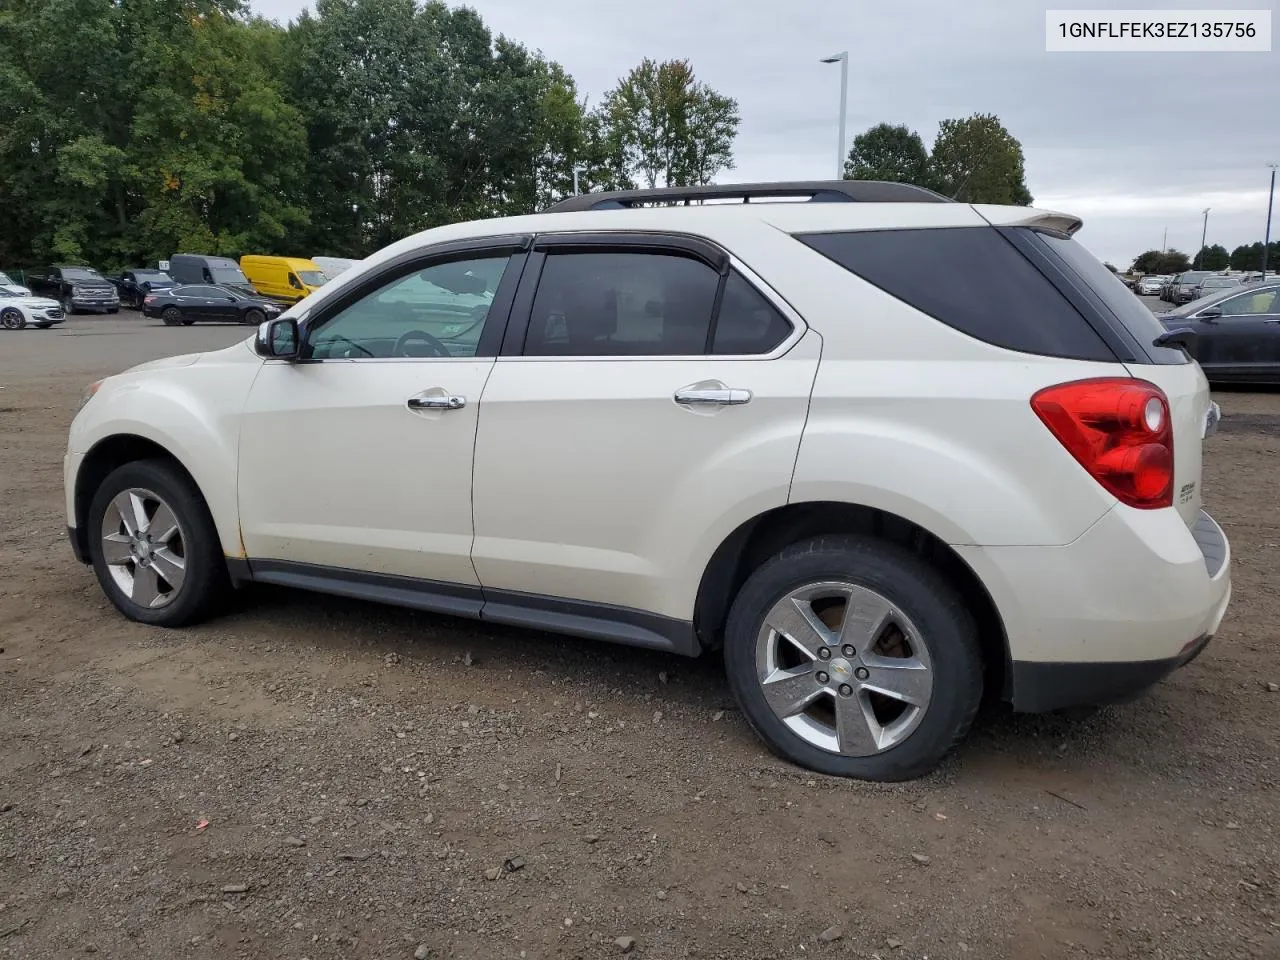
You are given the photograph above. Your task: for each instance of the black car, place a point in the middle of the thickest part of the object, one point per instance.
(1234, 334)
(134, 285)
(76, 288)
(187, 304)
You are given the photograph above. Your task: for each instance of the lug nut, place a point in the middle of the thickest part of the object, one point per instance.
(862, 673)
(848, 650)
(846, 690)
(822, 677)
(824, 653)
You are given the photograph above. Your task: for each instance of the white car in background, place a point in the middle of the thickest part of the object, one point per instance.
(1150, 286)
(8, 284)
(23, 310)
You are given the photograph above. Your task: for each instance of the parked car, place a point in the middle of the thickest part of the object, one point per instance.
(134, 285)
(1150, 286)
(187, 304)
(332, 266)
(1213, 284)
(8, 284)
(1236, 333)
(18, 311)
(1185, 285)
(191, 268)
(287, 279)
(603, 422)
(76, 288)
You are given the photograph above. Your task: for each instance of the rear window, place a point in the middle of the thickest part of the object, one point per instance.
(1125, 309)
(972, 279)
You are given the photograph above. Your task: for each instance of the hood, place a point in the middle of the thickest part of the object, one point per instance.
(39, 303)
(182, 360)
(15, 288)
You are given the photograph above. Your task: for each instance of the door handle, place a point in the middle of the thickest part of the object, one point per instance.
(436, 401)
(714, 394)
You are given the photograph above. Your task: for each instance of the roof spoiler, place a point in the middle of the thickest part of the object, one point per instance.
(813, 191)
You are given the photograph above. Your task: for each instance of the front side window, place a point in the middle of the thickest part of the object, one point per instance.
(1262, 302)
(622, 304)
(439, 311)
(313, 278)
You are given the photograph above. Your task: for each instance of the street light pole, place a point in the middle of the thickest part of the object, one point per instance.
(576, 170)
(1270, 199)
(1204, 232)
(843, 59)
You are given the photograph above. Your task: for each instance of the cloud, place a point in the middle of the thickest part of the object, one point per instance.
(1132, 142)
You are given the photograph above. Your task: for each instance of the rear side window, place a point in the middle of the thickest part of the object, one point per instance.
(972, 279)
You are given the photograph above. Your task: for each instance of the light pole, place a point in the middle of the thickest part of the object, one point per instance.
(1204, 232)
(576, 171)
(1267, 240)
(843, 59)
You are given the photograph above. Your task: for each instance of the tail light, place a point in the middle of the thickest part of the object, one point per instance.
(1120, 431)
(149, 298)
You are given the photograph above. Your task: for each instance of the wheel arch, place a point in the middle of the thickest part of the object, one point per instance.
(756, 540)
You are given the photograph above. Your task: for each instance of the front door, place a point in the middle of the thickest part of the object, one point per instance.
(1244, 341)
(357, 458)
(655, 402)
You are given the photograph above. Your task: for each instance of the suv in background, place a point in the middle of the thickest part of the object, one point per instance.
(76, 288)
(1185, 284)
(745, 426)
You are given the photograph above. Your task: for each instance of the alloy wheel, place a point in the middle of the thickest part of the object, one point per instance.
(144, 548)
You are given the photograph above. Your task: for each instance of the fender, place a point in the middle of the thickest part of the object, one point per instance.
(190, 406)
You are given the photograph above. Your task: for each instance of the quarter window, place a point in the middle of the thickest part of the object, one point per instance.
(439, 311)
(747, 323)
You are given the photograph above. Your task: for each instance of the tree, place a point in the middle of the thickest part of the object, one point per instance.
(660, 124)
(1110, 266)
(886, 152)
(1161, 262)
(1212, 258)
(1249, 256)
(976, 160)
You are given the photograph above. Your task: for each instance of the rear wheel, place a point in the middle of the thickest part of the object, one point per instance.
(154, 547)
(853, 657)
(171, 316)
(12, 319)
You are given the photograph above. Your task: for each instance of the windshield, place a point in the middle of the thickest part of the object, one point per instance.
(152, 276)
(80, 273)
(228, 275)
(1215, 282)
(4, 278)
(313, 278)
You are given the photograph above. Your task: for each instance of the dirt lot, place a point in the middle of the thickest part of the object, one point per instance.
(361, 771)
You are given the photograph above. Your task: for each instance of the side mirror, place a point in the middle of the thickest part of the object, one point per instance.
(1209, 314)
(278, 339)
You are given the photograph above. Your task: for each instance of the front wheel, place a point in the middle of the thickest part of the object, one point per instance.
(13, 319)
(68, 306)
(254, 317)
(154, 547)
(853, 657)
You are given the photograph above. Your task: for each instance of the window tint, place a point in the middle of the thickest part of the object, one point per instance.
(197, 291)
(437, 312)
(621, 304)
(747, 322)
(1250, 304)
(972, 279)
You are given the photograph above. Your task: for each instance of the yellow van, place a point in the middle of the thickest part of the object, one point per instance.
(283, 278)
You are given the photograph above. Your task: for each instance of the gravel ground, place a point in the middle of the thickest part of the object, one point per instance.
(320, 778)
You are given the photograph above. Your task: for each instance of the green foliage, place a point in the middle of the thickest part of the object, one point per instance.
(134, 129)
(1213, 258)
(1161, 262)
(886, 152)
(663, 126)
(1249, 256)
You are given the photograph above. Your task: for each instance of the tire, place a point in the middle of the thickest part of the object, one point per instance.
(13, 319)
(68, 307)
(113, 310)
(171, 316)
(195, 543)
(254, 317)
(929, 623)
(187, 323)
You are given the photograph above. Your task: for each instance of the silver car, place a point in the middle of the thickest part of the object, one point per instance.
(18, 311)
(1150, 286)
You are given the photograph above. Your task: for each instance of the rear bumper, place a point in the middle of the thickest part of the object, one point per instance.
(1100, 619)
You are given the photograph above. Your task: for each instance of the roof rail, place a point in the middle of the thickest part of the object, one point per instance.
(816, 191)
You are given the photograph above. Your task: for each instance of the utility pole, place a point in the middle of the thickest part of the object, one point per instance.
(1204, 232)
(576, 171)
(1164, 244)
(842, 59)
(1267, 240)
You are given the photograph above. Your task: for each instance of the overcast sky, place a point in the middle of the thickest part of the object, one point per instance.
(1133, 143)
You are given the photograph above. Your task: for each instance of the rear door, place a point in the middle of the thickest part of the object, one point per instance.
(646, 391)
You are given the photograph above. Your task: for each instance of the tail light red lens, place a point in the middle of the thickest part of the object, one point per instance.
(1120, 431)
(149, 299)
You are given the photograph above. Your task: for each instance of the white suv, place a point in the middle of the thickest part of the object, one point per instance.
(887, 451)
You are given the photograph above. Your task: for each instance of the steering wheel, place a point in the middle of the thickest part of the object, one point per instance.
(438, 349)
